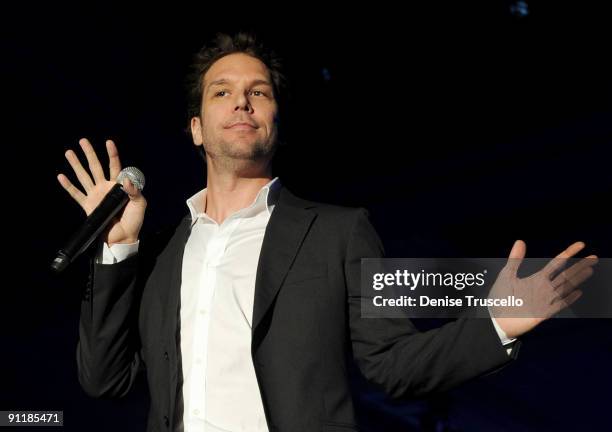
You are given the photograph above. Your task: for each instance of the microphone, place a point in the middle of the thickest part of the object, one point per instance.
(99, 219)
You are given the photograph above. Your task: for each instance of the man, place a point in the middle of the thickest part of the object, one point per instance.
(244, 316)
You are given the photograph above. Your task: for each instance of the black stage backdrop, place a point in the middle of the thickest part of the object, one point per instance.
(461, 126)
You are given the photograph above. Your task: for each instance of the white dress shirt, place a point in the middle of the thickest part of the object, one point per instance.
(220, 391)
(217, 294)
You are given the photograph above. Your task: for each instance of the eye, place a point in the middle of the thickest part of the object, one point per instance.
(220, 93)
(258, 93)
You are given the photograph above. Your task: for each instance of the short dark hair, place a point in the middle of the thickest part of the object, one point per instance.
(221, 46)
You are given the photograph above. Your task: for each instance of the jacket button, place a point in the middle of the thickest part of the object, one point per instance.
(166, 355)
(87, 294)
(166, 421)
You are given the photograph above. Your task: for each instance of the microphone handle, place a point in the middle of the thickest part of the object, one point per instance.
(95, 223)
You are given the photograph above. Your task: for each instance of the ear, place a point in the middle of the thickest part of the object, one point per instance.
(196, 131)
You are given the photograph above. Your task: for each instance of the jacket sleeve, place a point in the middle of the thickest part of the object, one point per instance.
(108, 351)
(392, 353)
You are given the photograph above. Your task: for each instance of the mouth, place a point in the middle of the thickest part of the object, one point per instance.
(242, 126)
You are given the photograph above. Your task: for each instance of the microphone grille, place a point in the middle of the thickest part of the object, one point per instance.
(134, 175)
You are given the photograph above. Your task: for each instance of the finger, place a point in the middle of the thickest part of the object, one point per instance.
(113, 159)
(74, 192)
(517, 253)
(571, 284)
(80, 172)
(131, 190)
(559, 261)
(92, 160)
(569, 273)
(561, 304)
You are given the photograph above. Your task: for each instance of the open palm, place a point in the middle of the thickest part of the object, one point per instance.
(126, 226)
(544, 293)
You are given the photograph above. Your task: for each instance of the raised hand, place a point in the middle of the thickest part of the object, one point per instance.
(544, 293)
(126, 226)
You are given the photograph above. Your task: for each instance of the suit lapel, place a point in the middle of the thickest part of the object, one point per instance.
(288, 225)
(176, 249)
(175, 252)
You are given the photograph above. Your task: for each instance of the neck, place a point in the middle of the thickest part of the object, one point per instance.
(230, 190)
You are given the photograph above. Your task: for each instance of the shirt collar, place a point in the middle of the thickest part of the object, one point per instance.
(264, 201)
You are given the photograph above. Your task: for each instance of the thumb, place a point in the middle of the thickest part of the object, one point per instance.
(132, 191)
(516, 256)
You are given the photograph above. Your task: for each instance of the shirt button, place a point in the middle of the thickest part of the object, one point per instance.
(196, 411)
(166, 355)
(199, 361)
(202, 312)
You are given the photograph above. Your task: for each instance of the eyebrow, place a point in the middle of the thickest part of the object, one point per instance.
(223, 81)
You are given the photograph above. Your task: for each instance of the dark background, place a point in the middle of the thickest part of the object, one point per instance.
(461, 126)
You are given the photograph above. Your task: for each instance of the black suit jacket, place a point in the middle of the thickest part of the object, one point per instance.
(306, 324)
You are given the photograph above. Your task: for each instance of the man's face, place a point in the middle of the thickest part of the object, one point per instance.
(239, 111)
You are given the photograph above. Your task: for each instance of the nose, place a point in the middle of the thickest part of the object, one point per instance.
(243, 103)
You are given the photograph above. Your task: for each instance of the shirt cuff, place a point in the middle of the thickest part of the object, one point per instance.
(503, 337)
(117, 252)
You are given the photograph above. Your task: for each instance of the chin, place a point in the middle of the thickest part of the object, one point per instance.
(252, 150)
